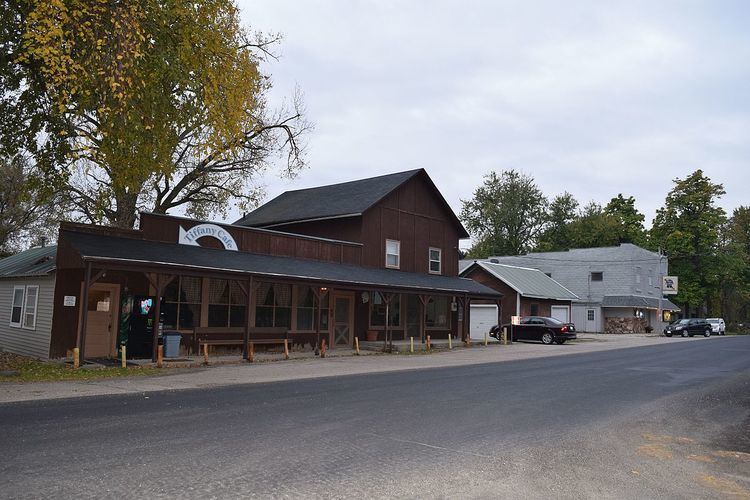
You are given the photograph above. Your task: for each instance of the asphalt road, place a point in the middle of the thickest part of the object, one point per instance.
(662, 421)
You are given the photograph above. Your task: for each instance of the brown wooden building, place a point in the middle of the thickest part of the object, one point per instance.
(375, 258)
(526, 292)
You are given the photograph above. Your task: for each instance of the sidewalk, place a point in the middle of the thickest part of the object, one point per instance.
(253, 373)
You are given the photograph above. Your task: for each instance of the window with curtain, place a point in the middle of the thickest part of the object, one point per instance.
(436, 312)
(226, 304)
(273, 305)
(306, 308)
(377, 311)
(182, 303)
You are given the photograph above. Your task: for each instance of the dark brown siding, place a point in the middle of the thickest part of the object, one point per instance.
(413, 215)
(344, 228)
(166, 229)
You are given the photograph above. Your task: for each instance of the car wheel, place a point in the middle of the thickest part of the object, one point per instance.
(707, 333)
(547, 338)
(560, 342)
(685, 334)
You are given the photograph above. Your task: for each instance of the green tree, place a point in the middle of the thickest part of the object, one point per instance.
(628, 218)
(732, 299)
(165, 104)
(687, 229)
(27, 211)
(557, 236)
(593, 228)
(505, 215)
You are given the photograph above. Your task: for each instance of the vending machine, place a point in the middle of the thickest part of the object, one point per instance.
(137, 323)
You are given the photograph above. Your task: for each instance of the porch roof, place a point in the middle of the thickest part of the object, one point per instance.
(137, 254)
(638, 301)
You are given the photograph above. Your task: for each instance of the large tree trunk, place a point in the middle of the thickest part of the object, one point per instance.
(125, 214)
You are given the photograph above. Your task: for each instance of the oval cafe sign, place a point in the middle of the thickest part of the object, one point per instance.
(191, 236)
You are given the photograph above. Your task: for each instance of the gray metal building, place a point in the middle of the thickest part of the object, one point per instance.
(618, 287)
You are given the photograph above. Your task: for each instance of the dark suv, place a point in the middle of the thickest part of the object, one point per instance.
(689, 327)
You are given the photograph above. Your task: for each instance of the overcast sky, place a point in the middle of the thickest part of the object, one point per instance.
(595, 98)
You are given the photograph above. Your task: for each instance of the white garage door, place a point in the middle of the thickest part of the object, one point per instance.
(483, 317)
(561, 313)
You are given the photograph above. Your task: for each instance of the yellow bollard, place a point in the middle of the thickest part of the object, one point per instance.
(160, 356)
(286, 349)
(485, 339)
(505, 336)
(205, 353)
(323, 348)
(356, 345)
(76, 359)
(411, 344)
(427, 346)
(250, 352)
(122, 355)
(450, 341)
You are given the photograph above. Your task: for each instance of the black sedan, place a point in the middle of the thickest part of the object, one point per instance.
(689, 327)
(547, 330)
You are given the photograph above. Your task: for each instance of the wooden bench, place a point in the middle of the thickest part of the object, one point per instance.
(213, 336)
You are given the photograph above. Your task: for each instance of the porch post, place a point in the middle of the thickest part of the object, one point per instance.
(387, 300)
(157, 318)
(81, 342)
(248, 302)
(422, 311)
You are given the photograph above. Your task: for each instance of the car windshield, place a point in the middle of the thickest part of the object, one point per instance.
(554, 321)
(712, 320)
(682, 322)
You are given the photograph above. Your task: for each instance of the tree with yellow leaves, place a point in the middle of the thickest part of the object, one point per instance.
(165, 103)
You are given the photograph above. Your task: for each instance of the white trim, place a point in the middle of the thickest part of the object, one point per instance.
(12, 305)
(397, 254)
(25, 305)
(439, 260)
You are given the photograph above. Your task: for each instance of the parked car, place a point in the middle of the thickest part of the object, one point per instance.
(689, 327)
(717, 326)
(547, 330)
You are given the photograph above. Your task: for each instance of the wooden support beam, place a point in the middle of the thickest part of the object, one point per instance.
(248, 304)
(97, 276)
(423, 311)
(81, 341)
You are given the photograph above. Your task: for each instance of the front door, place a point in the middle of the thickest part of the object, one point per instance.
(343, 319)
(413, 320)
(101, 326)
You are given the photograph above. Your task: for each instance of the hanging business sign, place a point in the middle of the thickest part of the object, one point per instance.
(669, 285)
(191, 236)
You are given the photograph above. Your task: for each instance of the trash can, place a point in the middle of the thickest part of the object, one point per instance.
(172, 344)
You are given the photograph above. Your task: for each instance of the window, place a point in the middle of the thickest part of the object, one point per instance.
(650, 281)
(436, 312)
(597, 276)
(306, 308)
(226, 304)
(16, 310)
(377, 311)
(392, 253)
(182, 303)
(23, 307)
(29, 308)
(435, 260)
(590, 314)
(638, 278)
(273, 305)
(534, 309)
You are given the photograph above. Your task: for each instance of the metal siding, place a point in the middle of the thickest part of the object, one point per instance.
(35, 342)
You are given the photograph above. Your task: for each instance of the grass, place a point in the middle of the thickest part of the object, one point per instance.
(34, 370)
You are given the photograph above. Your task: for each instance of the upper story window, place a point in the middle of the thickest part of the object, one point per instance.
(436, 255)
(597, 276)
(393, 253)
(638, 278)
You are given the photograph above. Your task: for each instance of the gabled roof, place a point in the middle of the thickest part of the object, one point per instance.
(103, 249)
(528, 282)
(346, 199)
(638, 301)
(37, 261)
